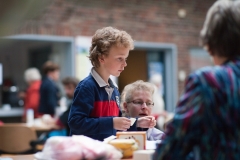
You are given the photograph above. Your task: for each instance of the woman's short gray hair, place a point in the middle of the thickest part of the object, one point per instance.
(32, 74)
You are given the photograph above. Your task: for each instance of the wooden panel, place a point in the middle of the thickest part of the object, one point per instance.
(16, 138)
(136, 69)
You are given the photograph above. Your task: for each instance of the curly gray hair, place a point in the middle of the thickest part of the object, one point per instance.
(32, 74)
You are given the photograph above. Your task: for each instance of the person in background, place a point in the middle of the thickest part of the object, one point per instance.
(138, 102)
(158, 111)
(49, 91)
(60, 124)
(206, 122)
(95, 111)
(69, 84)
(156, 79)
(1, 123)
(32, 96)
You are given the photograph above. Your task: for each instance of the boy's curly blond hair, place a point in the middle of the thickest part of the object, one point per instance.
(104, 39)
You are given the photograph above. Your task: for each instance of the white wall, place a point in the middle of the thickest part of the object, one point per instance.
(14, 58)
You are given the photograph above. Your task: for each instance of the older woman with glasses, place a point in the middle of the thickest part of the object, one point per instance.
(138, 102)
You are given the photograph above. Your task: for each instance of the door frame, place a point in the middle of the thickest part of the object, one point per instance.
(170, 69)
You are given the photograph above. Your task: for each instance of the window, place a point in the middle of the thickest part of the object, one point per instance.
(199, 58)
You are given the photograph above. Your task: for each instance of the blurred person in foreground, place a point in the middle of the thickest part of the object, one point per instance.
(138, 102)
(206, 122)
(49, 91)
(31, 97)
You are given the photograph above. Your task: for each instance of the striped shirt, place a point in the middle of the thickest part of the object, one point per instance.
(206, 124)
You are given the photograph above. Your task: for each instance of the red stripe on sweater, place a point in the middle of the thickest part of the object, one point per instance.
(105, 109)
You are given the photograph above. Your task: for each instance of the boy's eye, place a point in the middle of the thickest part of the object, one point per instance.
(120, 59)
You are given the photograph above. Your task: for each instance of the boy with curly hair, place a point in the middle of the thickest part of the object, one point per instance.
(95, 111)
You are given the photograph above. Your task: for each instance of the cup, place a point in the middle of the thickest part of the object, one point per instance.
(30, 117)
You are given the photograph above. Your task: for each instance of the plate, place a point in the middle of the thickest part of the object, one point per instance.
(39, 156)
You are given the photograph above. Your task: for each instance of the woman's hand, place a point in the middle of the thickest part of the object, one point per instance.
(121, 123)
(146, 122)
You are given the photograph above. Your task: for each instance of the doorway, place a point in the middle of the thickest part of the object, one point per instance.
(148, 57)
(136, 69)
(38, 56)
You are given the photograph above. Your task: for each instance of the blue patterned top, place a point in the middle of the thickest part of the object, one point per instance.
(206, 124)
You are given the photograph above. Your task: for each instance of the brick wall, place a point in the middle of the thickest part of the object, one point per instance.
(145, 20)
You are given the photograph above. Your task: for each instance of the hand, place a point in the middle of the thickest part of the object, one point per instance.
(48, 120)
(121, 123)
(146, 122)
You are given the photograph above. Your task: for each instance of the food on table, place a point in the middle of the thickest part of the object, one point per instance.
(77, 147)
(132, 120)
(126, 146)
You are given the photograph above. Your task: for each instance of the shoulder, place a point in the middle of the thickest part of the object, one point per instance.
(201, 72)
(156, 134)
(88, 83)
(212, 74)
(156, 131)
(46, 81)
(210, 70)
(222, 70)
(35, 86)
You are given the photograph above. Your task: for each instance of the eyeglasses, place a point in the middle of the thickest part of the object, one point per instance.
(140, 103)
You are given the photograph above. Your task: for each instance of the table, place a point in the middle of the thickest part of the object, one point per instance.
(37, 128)
(26, 157)
(17, 157)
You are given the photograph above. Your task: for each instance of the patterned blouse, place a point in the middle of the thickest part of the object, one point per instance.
(206, 124)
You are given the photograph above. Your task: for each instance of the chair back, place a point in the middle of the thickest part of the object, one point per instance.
(16, 138)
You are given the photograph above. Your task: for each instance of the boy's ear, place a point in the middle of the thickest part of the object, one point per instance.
(101, 58)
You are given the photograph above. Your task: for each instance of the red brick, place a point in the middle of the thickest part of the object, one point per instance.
(151, 20)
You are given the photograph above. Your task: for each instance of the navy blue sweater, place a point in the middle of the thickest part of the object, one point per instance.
(49, 96)
(92, 112)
